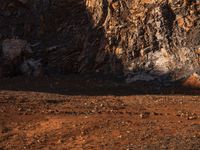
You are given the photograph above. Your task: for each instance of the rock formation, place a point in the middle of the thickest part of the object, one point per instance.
(137, 39)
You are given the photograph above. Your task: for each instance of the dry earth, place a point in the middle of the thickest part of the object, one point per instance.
(71, 113)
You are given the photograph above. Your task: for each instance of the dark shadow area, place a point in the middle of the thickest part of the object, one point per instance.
(93, 86)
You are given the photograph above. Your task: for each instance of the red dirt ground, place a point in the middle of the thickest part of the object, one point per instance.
(96, 114)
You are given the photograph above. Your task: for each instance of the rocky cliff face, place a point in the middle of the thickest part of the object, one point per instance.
(139, 39)
(146, 39)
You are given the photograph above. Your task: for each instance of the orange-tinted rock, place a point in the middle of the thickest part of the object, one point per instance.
(192, 81)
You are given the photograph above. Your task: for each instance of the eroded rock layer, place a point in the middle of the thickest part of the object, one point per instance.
(140, 39)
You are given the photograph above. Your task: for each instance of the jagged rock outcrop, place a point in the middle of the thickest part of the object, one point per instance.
(150, 38)
(140, 39)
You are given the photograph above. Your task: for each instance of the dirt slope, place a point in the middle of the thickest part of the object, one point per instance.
(66, 114)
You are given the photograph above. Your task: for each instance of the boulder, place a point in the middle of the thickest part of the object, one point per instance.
(18, 59)
(193, 81)
(15, 48)
(32, 67)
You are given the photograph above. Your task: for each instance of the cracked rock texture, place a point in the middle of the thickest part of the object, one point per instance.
(137, 39)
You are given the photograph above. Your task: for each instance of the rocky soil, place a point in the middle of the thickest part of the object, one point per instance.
(65, 65)
(72, 113)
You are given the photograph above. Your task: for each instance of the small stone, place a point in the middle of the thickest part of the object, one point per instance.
(144, 115)
(60, 141)
(192, 117)
(155, 113)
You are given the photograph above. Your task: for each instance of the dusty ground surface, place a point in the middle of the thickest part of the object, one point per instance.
(96, 114)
